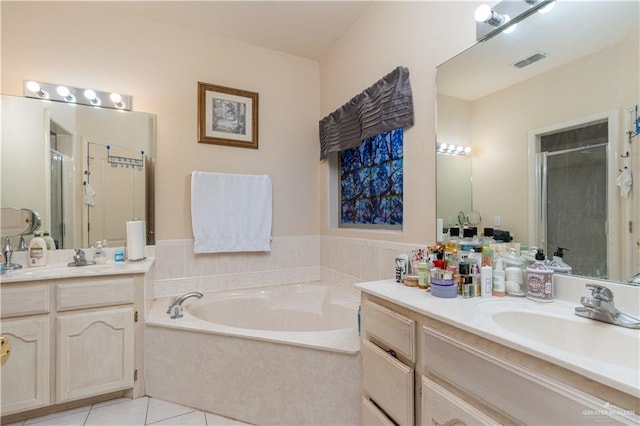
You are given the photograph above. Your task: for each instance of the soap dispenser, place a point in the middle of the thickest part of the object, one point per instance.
(37, 251)
(99, 256)
(540, 280)
(558, 264)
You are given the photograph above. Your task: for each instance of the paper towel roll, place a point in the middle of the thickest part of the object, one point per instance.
(135, 239)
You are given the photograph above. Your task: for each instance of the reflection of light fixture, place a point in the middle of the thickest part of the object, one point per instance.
(444, 148)
(489, 16)
(34, 87)
(92, 97)
(62, 93)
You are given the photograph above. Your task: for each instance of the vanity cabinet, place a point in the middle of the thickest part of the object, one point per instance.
(388, 362)
(462, 378)
(71, 339)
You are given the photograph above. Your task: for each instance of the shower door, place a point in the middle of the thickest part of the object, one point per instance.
(574, 197)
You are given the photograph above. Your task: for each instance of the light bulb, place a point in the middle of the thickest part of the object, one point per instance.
(483, 13)
(33, 86)
(116, 98)
(62, 91)
(467, 149)
(90, 94)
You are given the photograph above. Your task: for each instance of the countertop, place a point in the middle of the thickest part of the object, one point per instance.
(56, 271)
(614, 352)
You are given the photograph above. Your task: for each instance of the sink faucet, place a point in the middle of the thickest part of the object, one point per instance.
(175, 308)
(80, 259)
(600, 307)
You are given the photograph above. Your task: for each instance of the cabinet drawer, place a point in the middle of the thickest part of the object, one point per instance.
(390, 329)
(372, 416)
(388, 382)
(441, 407)
(517, 391)
(94, 294)
(29, 299)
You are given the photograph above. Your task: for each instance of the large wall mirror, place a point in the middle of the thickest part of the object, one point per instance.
(549, 137)
(85, 170)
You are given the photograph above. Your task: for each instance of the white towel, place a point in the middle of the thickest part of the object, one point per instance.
(625, 181)
(89, 195)
(230, 212)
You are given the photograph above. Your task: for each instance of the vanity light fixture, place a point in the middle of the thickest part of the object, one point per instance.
(75, 95)
(504, 16)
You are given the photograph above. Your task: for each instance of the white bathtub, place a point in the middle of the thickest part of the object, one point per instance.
(274, 355)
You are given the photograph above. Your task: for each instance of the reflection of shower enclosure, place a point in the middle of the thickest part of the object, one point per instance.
(573, 202)
(61, 181)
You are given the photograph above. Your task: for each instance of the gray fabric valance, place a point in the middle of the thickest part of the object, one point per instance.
(385, 106)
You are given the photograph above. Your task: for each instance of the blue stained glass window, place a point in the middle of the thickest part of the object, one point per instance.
(371, 181)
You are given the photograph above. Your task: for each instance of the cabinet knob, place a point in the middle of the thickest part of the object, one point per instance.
(5, 349)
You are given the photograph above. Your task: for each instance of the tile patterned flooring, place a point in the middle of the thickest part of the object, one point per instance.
(131, 412)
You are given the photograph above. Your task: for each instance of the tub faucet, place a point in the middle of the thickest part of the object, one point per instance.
(175, 308)
(600, 307)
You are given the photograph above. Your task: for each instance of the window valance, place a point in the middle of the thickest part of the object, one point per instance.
(385, 106)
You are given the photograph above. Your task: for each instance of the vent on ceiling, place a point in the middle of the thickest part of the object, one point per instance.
(530, 60)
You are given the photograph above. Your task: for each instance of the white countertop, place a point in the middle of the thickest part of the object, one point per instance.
(63, 271)
(475, 315)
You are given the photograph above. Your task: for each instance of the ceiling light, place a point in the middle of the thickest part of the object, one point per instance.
(116, 98)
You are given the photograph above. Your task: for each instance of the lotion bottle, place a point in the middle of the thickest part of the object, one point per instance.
(498, 279)
(51, 245)
(37, 251)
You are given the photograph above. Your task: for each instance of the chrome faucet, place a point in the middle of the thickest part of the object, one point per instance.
(600, 307)
(80, 259)
(175, 308)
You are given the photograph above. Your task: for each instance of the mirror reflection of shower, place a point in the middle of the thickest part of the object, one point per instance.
(61, 149)
(572, 205)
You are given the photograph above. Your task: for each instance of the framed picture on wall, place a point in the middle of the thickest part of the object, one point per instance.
(227, 116)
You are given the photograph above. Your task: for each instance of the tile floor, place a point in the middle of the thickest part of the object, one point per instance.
(131, 412)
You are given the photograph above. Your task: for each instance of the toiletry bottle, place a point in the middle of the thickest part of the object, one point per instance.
(540, 280)
(37, 251)
(487, 256)
(51, 245)
(558, 264)
(486, 281)
(100, 256)
(498, 279)
(423, 275)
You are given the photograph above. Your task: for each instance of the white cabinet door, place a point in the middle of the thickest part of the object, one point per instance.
(25, 375)
(94, 353)
(442, 408)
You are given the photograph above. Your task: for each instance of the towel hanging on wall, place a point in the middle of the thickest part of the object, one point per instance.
(625, 181)
(230, 212)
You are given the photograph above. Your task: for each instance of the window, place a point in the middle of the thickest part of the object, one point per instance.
(371, 182)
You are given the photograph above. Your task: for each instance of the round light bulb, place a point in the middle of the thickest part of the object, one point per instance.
(33, 86)
(443, 146)
(90, 94)
(482, 13)
(62, 91)
(116, 98)
(467, 149)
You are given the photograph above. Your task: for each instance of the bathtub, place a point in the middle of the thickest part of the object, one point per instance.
(274, 355)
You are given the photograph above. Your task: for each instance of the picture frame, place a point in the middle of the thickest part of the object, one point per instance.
(227, 116)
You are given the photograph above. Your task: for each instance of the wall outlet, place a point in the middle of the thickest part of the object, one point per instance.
(496, 221)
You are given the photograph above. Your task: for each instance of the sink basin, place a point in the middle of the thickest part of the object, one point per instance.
(557, 328)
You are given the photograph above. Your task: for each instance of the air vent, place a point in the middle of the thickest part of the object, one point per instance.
(530, 60)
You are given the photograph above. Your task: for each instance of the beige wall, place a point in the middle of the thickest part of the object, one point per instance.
(84, 44)
(420, 36)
